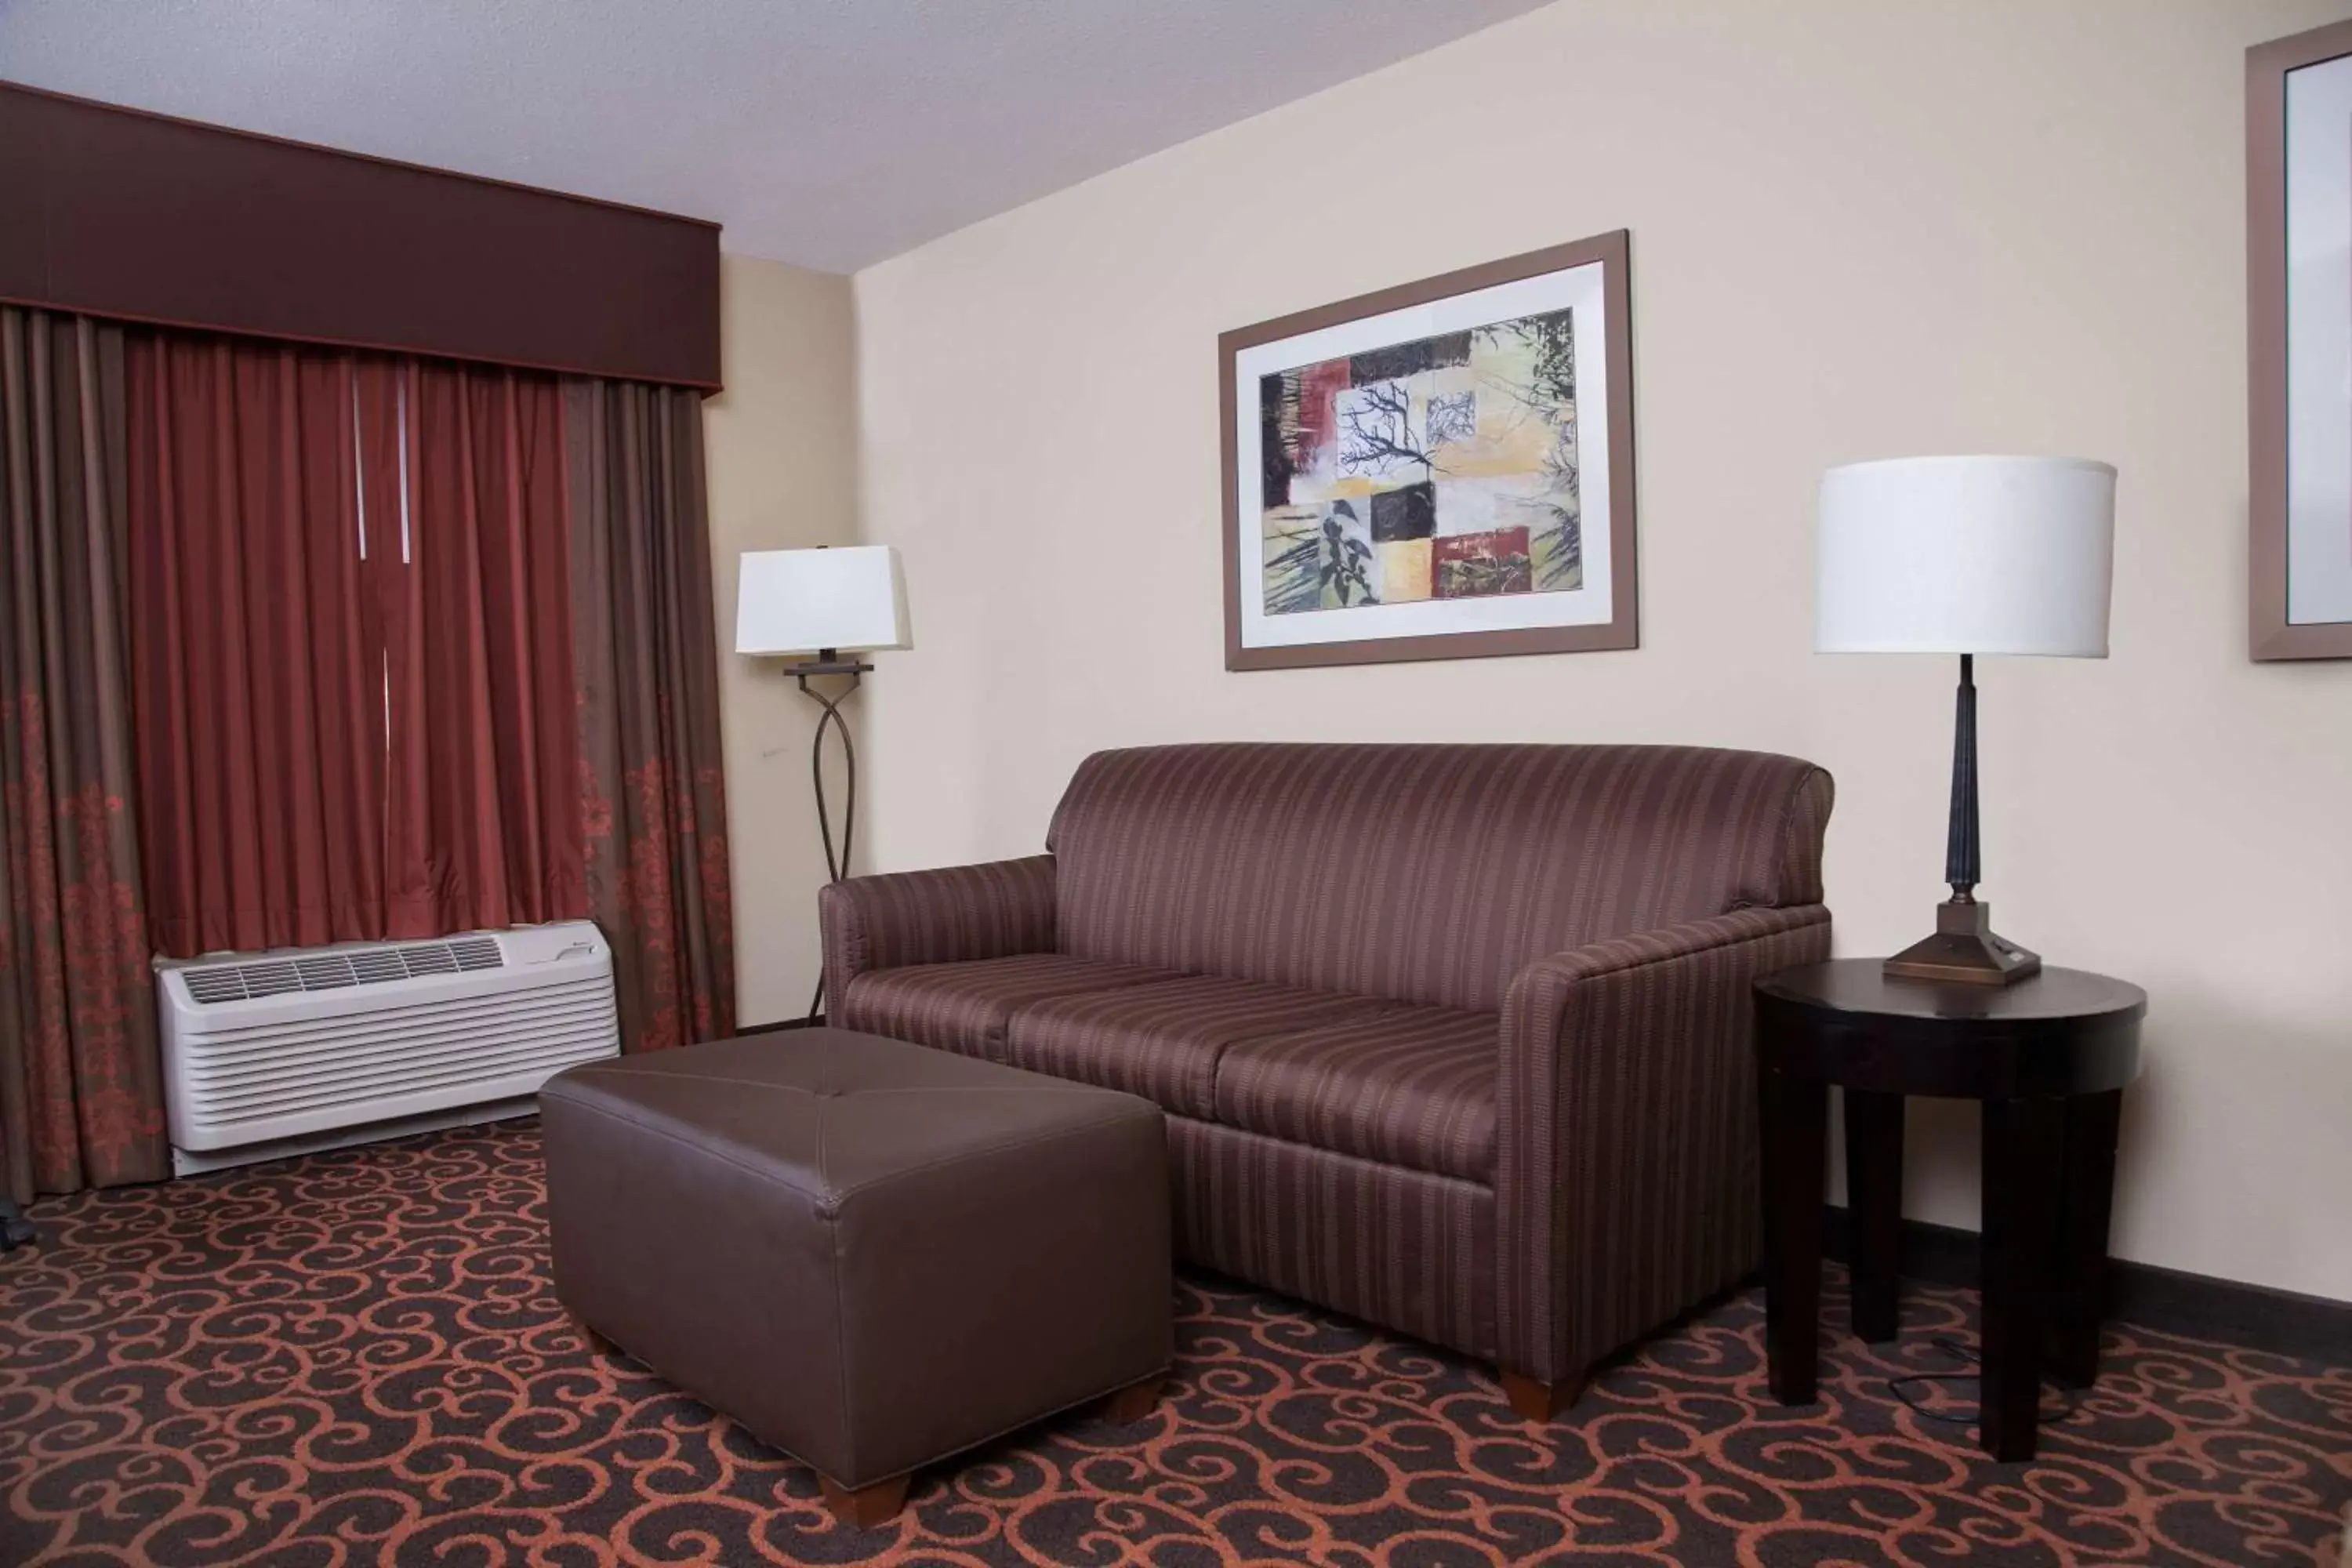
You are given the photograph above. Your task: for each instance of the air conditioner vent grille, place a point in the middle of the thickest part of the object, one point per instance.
(376, 965)
(387, 1031)
(213, 984)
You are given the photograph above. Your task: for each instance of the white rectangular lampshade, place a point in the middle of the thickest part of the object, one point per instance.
(851, 598)
(1966, 555)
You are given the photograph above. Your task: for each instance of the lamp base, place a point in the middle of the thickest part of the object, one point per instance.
(1964, 951)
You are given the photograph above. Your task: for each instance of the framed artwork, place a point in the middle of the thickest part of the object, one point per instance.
(2299, 299)
(1443, 469)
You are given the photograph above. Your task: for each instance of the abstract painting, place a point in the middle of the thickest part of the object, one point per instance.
(1436, 470)
(1440, 468)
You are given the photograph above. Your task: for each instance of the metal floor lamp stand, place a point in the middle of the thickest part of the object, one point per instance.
(829, 661)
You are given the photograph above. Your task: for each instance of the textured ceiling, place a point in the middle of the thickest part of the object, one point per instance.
(827, 133)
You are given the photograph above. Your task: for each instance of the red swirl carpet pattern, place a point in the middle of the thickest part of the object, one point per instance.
(355, 1358)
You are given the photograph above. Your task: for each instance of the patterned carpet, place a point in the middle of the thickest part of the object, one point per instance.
(355, 1358)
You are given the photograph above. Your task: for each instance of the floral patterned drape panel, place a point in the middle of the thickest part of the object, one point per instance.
(644, 642)
(81, 1099)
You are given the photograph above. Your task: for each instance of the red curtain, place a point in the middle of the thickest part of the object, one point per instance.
(257, 662)
(485, 827)
(352, 646)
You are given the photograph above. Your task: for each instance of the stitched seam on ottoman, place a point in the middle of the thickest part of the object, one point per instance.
(831, 1216)
(820, 1193)
(1048, 1136)
(771, 1178)
(613, 1069)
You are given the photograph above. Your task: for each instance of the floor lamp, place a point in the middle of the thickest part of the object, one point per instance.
(838, 603)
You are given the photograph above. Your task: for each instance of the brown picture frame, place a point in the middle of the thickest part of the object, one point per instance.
(2270, 635)
(1612, 252)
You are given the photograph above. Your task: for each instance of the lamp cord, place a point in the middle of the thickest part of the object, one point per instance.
(1971, 1370)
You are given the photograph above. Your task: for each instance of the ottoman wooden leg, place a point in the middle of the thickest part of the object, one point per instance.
(867, 1506)
(597, 1343)
(1134, 1401)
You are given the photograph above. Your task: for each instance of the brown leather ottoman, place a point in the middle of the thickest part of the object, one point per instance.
(872, 1254)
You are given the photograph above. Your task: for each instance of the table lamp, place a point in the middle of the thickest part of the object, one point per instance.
(834, 601)
(1967, 556)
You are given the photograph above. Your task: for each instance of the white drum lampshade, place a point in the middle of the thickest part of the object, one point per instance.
(1999, 555)
(850, 598)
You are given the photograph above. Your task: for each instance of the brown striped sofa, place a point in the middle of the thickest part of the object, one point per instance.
(1452, 1038)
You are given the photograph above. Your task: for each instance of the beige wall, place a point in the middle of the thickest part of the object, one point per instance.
(1860, 228)
(781, 444)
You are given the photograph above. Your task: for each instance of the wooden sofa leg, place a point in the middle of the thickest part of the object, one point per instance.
(1134, 1401)
(866, 1507)
(1532, 1399)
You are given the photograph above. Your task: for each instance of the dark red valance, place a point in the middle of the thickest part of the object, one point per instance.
(114, 212)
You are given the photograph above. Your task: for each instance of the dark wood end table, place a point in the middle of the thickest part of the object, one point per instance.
(2049, 1057)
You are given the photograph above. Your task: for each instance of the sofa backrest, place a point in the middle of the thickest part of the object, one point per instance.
(1425, 873)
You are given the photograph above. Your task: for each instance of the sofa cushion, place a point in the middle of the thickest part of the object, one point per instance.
(1402, 1085)
(1429, 874)
(965, 1006)
(1162, 1039)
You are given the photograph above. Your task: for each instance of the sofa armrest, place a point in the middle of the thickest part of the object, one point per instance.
(1626, 1169)
(942, 916)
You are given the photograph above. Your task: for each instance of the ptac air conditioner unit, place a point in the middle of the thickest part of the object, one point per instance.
(275, 1053)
